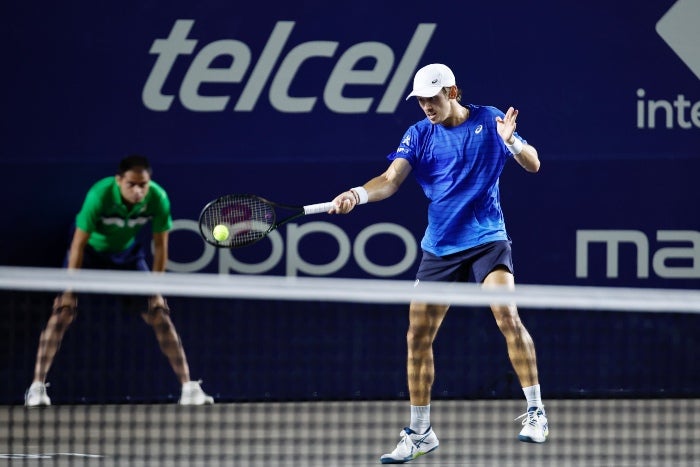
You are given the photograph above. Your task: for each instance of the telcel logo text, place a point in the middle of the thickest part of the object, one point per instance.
(344, 74)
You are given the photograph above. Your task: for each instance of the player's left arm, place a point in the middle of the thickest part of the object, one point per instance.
(528, 158)
(162, 222)
(526, 154)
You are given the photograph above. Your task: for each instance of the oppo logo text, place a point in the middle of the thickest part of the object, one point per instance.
(288, 249)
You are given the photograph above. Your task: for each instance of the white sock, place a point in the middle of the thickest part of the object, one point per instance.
(420, 418)
(533, 396)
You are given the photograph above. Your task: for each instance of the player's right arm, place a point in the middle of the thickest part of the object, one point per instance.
(77, 248)
(378, 188)
(75, 261)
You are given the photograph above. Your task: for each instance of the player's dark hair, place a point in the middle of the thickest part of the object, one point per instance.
(134, 161)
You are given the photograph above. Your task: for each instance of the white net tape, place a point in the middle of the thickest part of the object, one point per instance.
(347, 290)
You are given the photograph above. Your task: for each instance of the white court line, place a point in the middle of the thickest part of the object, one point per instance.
(50, 455)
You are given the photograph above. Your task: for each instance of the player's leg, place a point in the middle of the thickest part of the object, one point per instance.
(521, 348)
(62, 315)
(158, 317)
(521, 351)
(418, 438)
(424, 322)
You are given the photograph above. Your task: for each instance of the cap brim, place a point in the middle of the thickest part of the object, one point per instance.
(430, 91)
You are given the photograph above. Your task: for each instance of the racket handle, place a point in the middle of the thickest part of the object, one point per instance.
(318, 208)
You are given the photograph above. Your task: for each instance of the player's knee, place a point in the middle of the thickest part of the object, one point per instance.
(509, 323)
(419, 336)
(157, 314)
(424, 322)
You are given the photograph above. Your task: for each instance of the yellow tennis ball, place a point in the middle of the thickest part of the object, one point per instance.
(220, 232)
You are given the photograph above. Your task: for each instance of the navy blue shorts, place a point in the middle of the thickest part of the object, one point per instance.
(131, 259)
(472, 265)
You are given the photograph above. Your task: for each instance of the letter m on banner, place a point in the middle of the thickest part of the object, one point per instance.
(612, 240)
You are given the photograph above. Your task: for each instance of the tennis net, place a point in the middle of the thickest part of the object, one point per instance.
(311, 371)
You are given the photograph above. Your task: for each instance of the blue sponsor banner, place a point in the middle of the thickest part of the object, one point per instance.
(230, 82)
(299, 102)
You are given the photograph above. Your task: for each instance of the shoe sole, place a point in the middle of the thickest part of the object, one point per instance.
(527, 439)
(400, 461)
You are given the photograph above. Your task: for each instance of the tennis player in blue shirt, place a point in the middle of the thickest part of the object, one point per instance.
(457, 154)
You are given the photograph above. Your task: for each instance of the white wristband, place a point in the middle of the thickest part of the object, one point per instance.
(361, 194)
(515, 148)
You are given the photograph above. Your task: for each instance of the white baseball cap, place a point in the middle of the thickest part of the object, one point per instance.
(430, 79)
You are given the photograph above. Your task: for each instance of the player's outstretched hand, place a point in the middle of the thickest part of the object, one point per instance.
(506, 125)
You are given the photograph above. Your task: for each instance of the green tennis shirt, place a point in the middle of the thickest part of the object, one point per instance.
(112, 225)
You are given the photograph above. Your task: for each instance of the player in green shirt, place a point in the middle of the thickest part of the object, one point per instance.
(114, 211)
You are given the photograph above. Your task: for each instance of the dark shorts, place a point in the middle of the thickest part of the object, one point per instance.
(131, 259)
(472, 265)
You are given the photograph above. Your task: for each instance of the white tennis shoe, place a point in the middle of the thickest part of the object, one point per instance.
(192, 394)
(36, 396)
(410, 446)
(535, 427)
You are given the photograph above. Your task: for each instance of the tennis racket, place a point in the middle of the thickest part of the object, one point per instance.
(247, 219)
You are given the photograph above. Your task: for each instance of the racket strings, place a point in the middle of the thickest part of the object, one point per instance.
(247, 219)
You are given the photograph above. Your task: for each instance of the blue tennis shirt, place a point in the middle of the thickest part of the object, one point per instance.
(458, 169)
